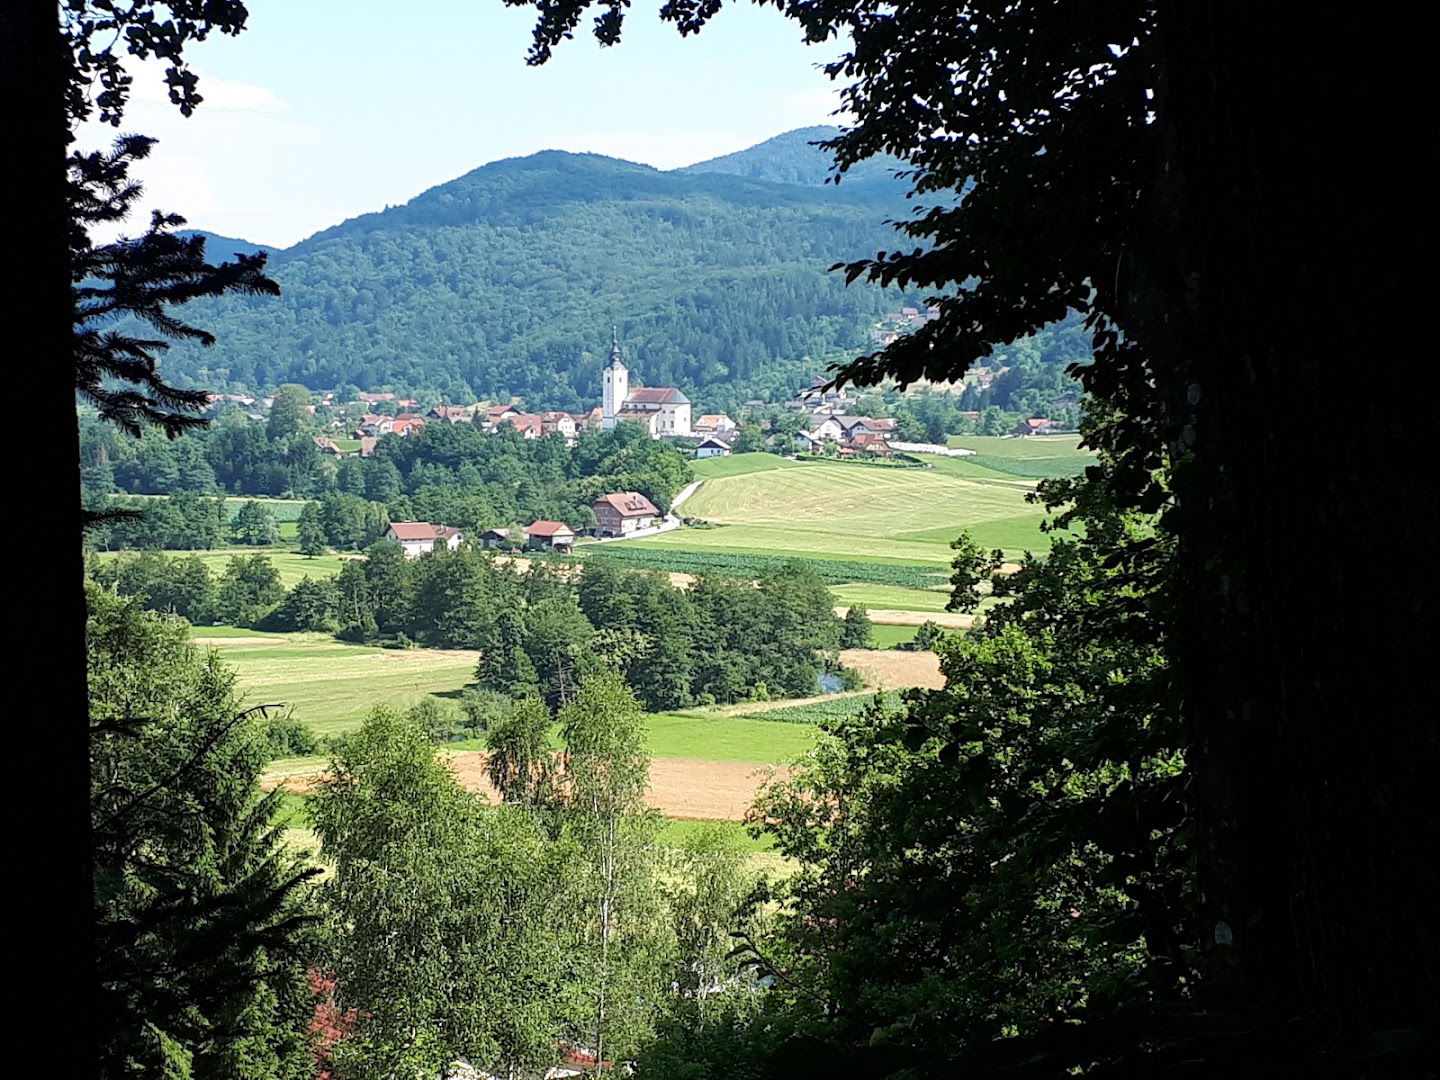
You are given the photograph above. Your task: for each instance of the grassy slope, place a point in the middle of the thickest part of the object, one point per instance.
(846, 511)
(331, 685)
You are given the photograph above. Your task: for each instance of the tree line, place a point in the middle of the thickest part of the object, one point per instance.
(448, 474)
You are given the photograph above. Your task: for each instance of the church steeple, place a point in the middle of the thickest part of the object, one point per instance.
(615, 380)
(615, 347)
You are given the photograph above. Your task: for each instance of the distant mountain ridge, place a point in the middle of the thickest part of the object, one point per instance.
(508, 280)
(220, 249)
(793, 158)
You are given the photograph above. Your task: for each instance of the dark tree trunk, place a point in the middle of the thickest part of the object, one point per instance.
(1307, 519)
(48, 735)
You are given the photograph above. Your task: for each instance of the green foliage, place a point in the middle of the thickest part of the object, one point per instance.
(248, 590)
(856, 631)
(201, 913)
(453, 921)
(438, 719)
(719, 283)
(731, 564)
(254, 524)
(520, 765)
(285, 736)
(311, 532)
(178, 586)
(309, 605)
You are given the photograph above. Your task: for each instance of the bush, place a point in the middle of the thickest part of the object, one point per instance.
(286, 736)
(440, 720)
(484, 708)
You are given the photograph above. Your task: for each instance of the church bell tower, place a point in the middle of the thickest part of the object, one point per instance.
(615, 380)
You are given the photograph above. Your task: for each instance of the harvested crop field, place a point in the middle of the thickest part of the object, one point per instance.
(684, 788)
(891, 669)
(950, 620)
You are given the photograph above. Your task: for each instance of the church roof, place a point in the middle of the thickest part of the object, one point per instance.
(657, 395)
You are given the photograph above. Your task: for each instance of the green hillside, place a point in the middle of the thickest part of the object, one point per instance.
(509, 279)
(793, 158)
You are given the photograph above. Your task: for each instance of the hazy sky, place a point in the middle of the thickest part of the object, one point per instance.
(324, 109)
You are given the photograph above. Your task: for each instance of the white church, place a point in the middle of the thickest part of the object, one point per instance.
(663, 410)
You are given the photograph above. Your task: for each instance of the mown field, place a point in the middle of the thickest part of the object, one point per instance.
(330, 685)
(291, 565)
(1036, 457)
(849, 512)
(706, 762)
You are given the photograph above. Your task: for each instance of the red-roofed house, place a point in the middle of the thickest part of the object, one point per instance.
(871, 441)
(407, 425)
(495, 413)
(560, 422)
(714, 424)
(326, 445)
(1036, 425)
(367, 445)
(529, 425)
(549, 536)
(418, 537)
(623, 512)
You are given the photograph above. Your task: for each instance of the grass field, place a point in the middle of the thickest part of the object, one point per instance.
(290, 565)
(1037, 457)
(740, 465)
(840, 511)
(890, 596)
(887, 637)
(331, 685)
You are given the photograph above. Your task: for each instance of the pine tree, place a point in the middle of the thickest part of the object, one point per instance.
(312, 534)
(201, 912)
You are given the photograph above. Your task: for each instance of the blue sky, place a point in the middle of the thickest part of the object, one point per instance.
(324, 109)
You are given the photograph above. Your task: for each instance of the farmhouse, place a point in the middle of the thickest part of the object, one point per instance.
(1036, 425)
(327, 445)
(549, 536)
(454, 414)
(623, 512)
(529, 425)
(872, 442)
(496, 413)
(407, 425)
(829, 429)
(714, 446)
(493, 538)
(663, 410)
(559, 423)
(417, 537)
(714, 424)
(808, 443)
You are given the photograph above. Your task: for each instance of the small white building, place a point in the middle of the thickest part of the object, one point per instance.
(417, 537)
(714, 446)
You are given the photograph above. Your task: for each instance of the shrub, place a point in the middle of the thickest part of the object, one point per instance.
(286, 736)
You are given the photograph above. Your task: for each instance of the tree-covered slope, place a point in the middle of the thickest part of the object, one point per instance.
(508, 280)
(793, 158)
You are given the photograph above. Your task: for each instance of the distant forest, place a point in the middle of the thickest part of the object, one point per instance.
(508, 280)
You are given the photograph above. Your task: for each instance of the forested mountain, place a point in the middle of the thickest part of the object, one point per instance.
(793, 158)
(509, 279)
(224, 248)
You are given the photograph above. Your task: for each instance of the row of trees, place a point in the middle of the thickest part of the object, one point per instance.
(457, 474)
(539, 630)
